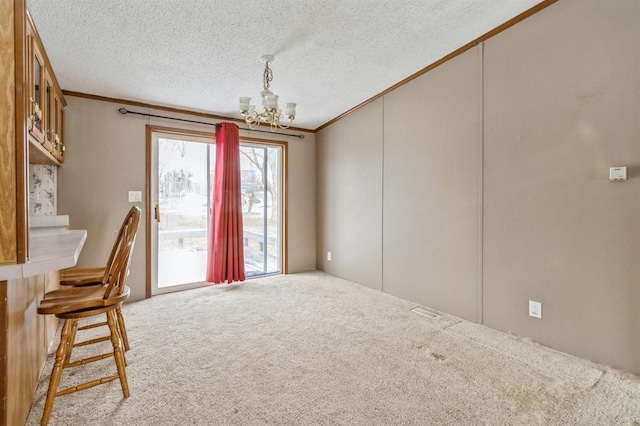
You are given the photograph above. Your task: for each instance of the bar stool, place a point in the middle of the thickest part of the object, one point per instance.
(96, 276)
(75, 303)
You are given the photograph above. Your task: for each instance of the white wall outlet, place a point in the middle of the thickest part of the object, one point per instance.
(535, 309)
(135, 196)
(617, 174)
(329, 256)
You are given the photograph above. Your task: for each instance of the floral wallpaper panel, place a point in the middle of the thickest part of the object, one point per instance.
(42, 190)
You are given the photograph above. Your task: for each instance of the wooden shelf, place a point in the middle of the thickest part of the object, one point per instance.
(40, 155)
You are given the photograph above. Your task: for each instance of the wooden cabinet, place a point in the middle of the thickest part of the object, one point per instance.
(24, 340)
(46, 104)
(25, 335)
(31, 123)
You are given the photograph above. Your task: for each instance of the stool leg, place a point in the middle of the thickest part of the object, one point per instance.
(122, 328)
(72, 338)
(118, 354)
(56, 373)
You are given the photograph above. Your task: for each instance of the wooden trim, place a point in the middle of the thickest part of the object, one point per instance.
(179, 132)
(21, 133)
(535, 9)
(7, 137)
(285, 210)
(263, 141)
(4, 350)
(166, 108)
(148, 210)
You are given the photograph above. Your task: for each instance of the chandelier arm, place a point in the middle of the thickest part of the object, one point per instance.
(251, 120)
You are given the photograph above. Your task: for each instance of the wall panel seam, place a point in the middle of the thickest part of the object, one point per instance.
(481, 185)
(382, 199)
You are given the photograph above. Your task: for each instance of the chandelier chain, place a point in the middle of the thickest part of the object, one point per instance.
(267, 77)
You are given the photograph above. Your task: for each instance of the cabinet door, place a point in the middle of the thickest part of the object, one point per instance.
(47, 112)
(56, 126)
(36, 91)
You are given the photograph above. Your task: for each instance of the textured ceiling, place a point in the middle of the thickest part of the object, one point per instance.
(330, 55)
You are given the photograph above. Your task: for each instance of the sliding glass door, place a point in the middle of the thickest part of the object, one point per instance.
(182, 184)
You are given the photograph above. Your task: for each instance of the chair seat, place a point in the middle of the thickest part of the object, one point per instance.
(78, 299)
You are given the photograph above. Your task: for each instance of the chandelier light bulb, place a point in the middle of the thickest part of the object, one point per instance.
(244, 103)
(290, 110)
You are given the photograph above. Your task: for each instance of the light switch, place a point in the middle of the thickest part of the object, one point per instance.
(135, 196)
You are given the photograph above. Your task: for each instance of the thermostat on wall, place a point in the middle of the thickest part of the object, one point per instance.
(617, 173)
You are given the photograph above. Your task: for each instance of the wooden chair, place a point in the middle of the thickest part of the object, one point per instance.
(75, 303)
(96, 276)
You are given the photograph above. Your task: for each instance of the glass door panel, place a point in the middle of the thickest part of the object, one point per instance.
(260, 167)
(184, 198)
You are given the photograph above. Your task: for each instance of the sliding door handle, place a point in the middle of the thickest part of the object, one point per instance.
(157, 210)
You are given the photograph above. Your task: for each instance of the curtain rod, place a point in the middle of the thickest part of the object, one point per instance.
(144, 114)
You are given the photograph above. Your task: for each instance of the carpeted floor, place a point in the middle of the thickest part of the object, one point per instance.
(312, 349)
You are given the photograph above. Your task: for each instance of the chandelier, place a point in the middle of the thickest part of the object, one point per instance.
(270, 115)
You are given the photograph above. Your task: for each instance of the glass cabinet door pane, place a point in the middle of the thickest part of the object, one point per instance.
(37, 82)
(55, 115)
(48, 105)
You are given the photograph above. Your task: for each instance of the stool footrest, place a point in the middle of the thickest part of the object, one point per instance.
(94, 325)
(89, 360)
(92, 341)
(87, 385)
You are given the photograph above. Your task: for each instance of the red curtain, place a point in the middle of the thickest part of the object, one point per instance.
(226, 251)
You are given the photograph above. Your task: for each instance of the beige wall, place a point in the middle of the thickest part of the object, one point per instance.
(495, 183)
(350, 200)
(561, 107)
(105, 159)
(431, 188)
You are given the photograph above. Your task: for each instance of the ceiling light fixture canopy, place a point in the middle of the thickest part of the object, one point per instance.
(271, 115)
